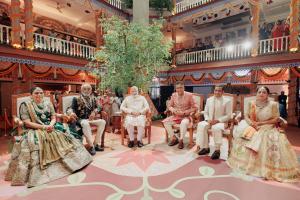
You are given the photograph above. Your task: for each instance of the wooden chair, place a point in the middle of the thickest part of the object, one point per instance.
(228, 132)
(147, 127)
(199, 99)
(17, 100)
(65, 101)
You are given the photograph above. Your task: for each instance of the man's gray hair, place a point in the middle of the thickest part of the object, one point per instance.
(85, 85)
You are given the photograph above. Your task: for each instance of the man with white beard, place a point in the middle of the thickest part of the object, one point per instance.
(135, 106)
(85, 107)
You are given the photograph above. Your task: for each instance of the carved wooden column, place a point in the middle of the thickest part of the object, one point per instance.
(291, 110)
(15, 23)
(99, 30)
(173, 29)
(255, 9)
(294, 25)
(28, 24)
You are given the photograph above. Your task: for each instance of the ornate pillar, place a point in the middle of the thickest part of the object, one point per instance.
(174, 7)
(15, 23)
(28, 24)
(294, 25)
(173, 29)
(254, 9)
(99, 30)
(291, 110)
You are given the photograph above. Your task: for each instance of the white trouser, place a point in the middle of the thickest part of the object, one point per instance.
(202, 134)
(140, 130)
(183, 128)
(87, 131)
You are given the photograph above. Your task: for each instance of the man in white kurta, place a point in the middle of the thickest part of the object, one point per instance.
(217, 113)
(136, 107)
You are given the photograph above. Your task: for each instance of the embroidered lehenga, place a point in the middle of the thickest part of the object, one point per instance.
(40, 156)
(266, 152)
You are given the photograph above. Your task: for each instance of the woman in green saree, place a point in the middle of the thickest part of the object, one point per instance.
(45, 151)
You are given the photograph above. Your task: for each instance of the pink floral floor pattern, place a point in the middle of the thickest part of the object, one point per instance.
(153, 172)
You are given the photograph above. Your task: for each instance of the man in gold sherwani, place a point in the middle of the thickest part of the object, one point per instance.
(217, 113)
(181, 105)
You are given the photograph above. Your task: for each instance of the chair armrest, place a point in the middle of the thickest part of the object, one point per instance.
(282, 123)
(18, 122)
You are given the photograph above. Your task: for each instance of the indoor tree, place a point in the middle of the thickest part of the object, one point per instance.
(132, 53)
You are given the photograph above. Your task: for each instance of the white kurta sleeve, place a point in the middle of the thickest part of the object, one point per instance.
(124, 106)
(206, 111)
(228, 113)
(145, 106)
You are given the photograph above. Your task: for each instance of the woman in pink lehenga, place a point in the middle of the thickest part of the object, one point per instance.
(260, 149)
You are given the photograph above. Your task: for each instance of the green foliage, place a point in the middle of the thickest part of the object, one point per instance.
(133, 53)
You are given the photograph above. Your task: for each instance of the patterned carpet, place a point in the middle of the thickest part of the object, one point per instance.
(155, 171)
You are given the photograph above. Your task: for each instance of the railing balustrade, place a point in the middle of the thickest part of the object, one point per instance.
(116, 3)
(188, 4)
(274, 45)
(269, 46)
(5, 34)
(64, 47)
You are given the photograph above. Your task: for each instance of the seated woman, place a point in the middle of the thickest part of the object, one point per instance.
(45, 151)
(259, 148)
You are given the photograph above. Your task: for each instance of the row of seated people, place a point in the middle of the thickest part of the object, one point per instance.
(258, 148)
(46, 146)
(47, 149)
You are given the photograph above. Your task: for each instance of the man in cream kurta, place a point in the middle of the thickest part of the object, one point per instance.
(136, 107)
(217, 113)
(181, 105)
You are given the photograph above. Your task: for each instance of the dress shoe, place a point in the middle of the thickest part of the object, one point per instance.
(98, 148)
(130, 144)
(203, 151)
(180, 145)
(140, 144)
(173, 142)
(215, 155)
(92, 151)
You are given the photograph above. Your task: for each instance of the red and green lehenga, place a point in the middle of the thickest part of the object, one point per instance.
(267, 153)
(40, 156)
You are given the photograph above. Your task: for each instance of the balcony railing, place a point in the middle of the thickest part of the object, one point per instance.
(269, 46)
(5, 36)
(51, 44)
(274, 45)
(64, 47)
(116, 3)
(188, 4)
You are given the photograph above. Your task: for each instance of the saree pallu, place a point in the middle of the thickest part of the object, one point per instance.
(275, 158)
(27, 165)
(40, 156)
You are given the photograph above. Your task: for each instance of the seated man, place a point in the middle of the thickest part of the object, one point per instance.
(217, 113)
(181, 105)
(85, 107)
(136, 107)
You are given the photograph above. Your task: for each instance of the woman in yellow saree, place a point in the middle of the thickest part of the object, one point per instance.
(45, 151)
(260, 149)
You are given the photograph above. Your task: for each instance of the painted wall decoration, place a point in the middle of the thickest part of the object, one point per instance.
(239, 77)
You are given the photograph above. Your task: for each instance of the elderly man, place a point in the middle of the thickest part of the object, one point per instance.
(136, 107)
(181, 105)
(85, 107)
(217, 113)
